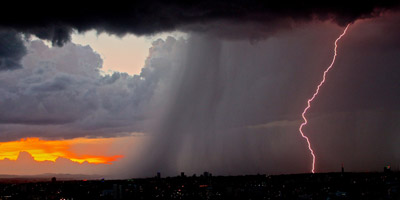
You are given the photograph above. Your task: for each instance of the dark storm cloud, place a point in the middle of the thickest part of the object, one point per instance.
(153, 16)
(12, 49)
(227, 19)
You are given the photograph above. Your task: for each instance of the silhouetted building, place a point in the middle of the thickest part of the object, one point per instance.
(387, 169)
(158, 175)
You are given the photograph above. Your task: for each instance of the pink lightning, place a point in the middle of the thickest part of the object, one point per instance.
(314, 95)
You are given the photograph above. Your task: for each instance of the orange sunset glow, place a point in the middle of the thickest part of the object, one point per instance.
(91, 150)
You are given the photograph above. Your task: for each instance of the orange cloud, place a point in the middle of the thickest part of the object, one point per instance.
(26, 165)
(91, 150)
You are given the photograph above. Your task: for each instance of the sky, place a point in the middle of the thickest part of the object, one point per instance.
(120, 54)
(216, 87)
(125, 54)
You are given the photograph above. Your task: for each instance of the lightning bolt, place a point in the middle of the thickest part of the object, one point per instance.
(313, 97)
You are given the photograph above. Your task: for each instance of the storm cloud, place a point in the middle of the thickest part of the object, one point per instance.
(252, 20)
(225, 18)
(225, 106)
(61, 93)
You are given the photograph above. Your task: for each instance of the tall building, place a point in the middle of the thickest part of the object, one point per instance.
(158, 175)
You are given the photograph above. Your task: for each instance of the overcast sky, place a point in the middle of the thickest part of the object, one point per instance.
(225, 94)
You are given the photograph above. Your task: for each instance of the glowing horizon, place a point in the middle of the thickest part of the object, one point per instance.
(51, 150)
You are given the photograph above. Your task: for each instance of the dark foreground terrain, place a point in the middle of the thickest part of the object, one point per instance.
(298, 186)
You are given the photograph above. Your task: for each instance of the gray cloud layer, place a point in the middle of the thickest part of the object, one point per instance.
(61, 93)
